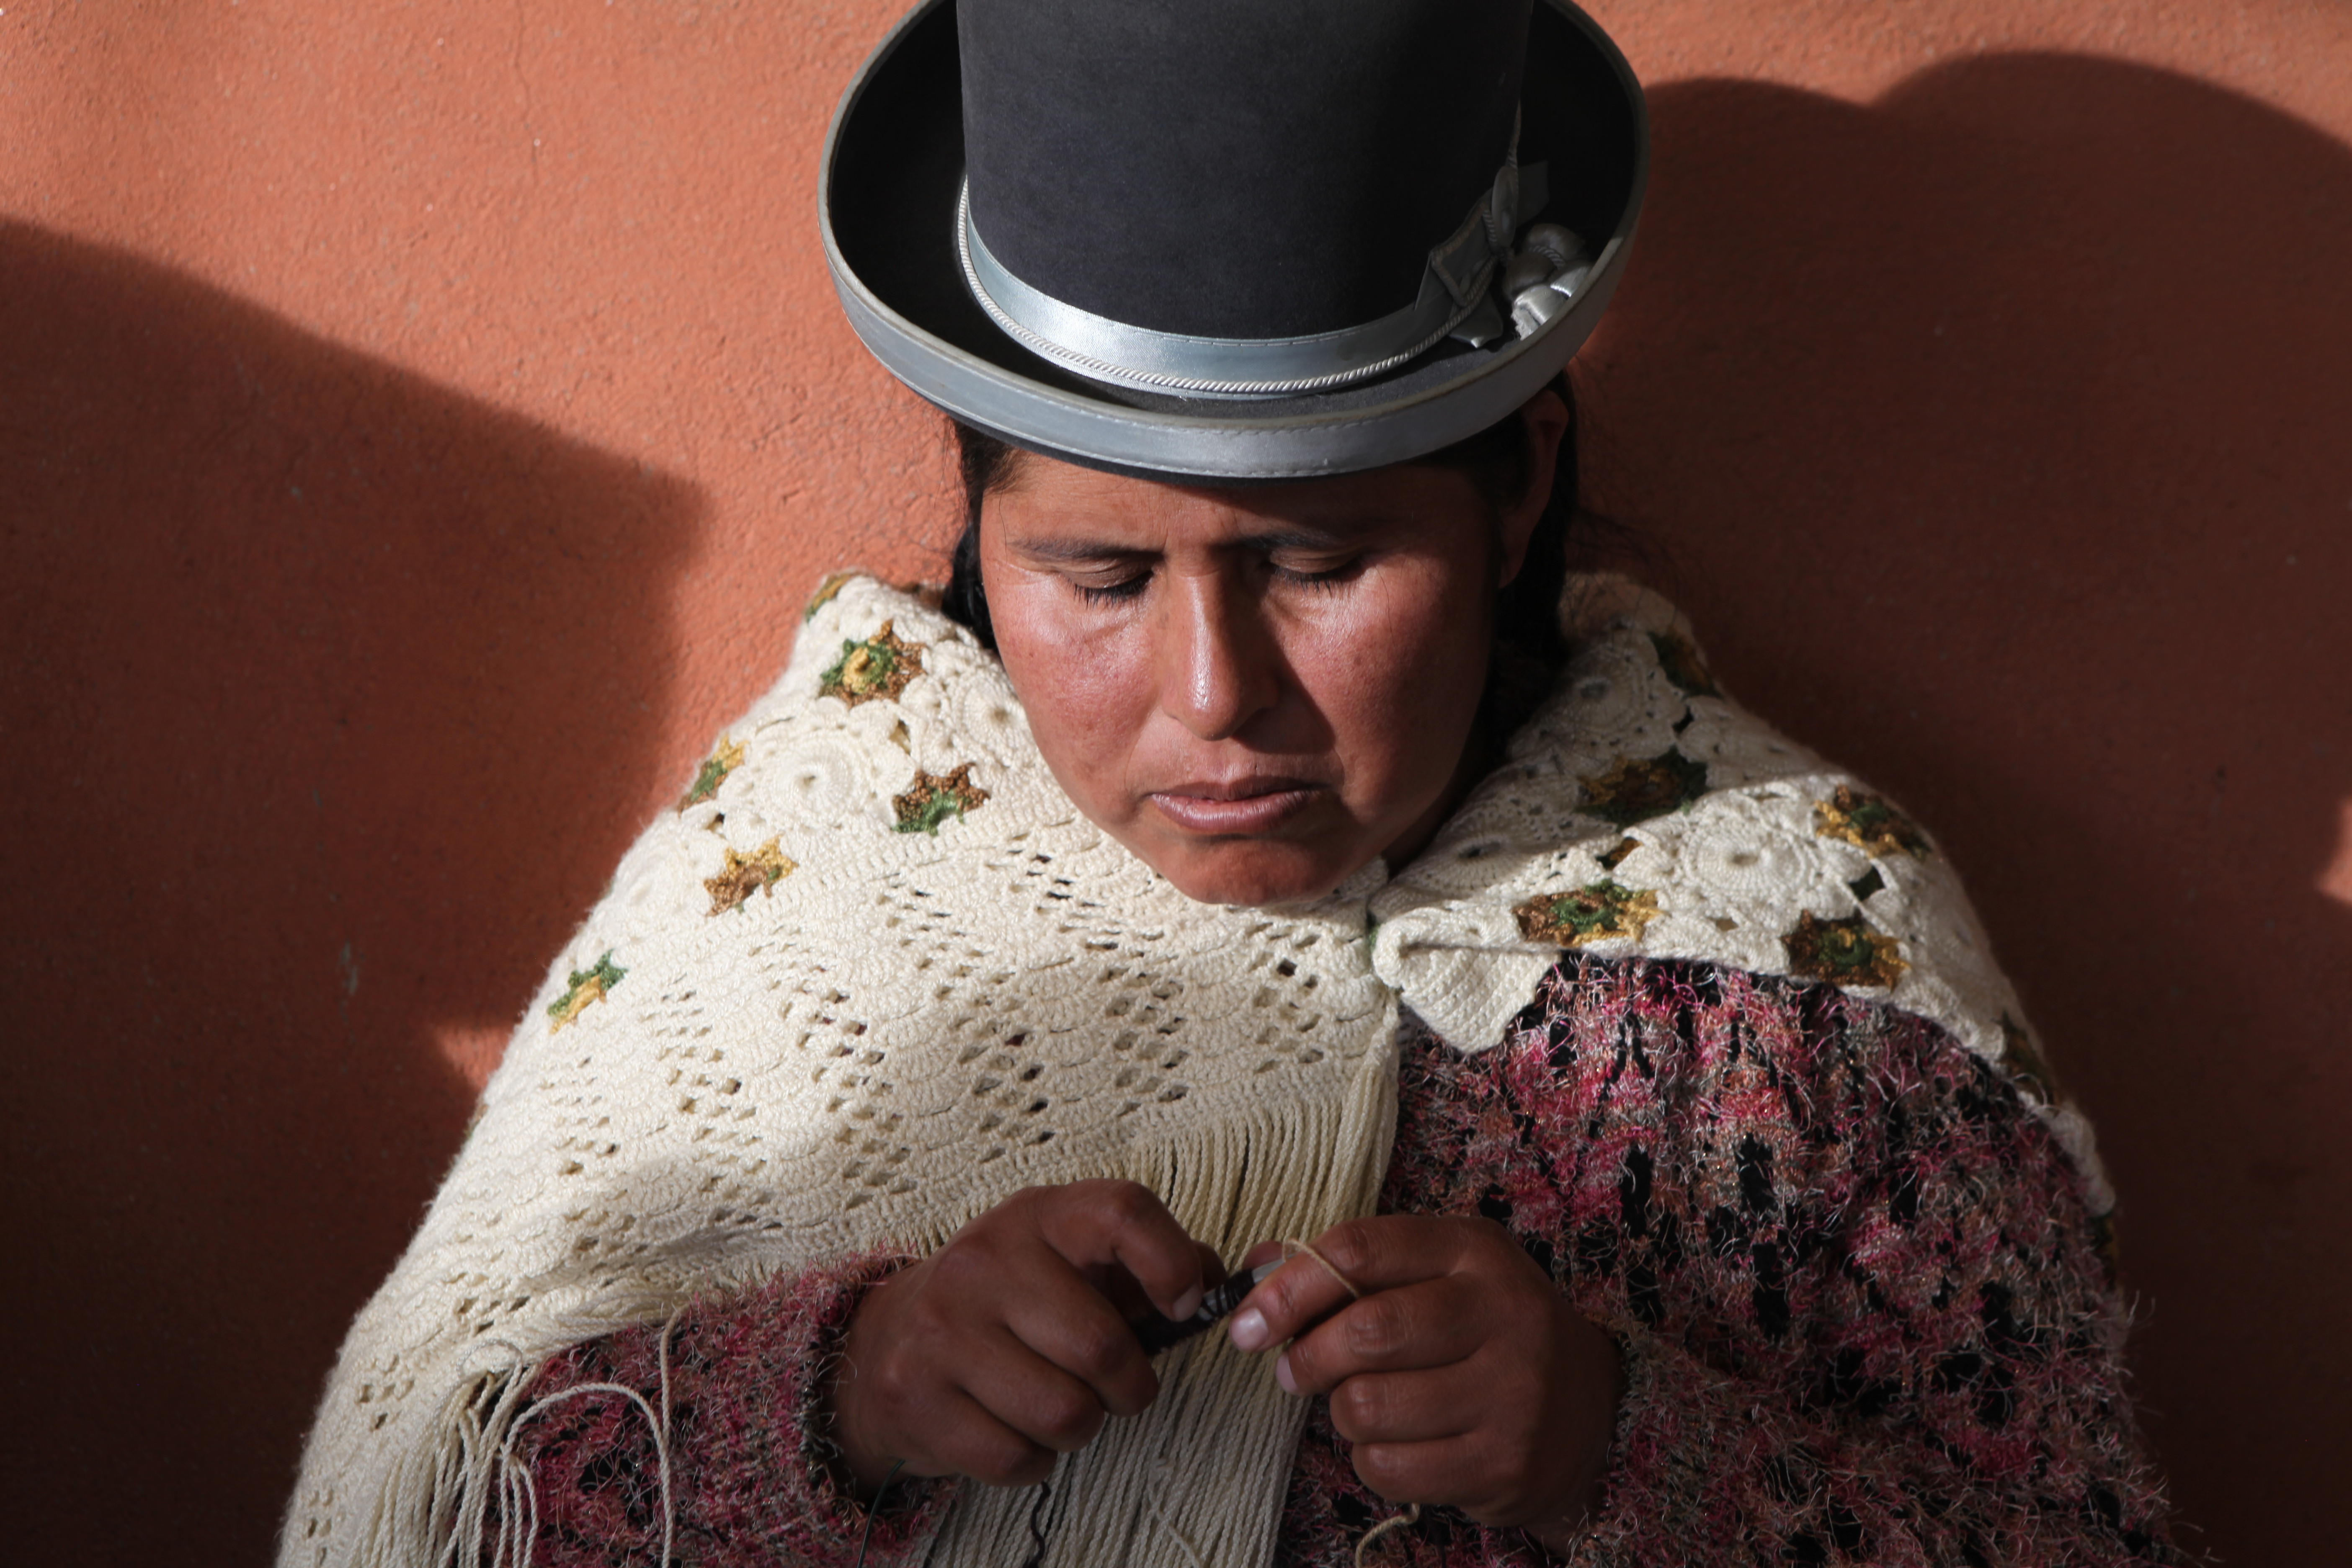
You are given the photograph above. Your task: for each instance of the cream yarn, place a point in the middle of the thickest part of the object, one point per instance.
(876, 972)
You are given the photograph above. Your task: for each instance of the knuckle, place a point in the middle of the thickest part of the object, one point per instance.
(1374, 1328)
(1098, 1348)
(1070, 1421)
(1004, 1460)
(1360, 1409)
(1380, 1467)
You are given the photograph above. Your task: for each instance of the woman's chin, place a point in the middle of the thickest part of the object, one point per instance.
(1250, 871)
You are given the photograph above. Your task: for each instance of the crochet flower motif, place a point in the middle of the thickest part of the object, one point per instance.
(593, 984)
(1594, 912)
(932, 798)
(879, 666)
(1869, 823)
(714, 771)
(1678, 659)
(1631, 792)
(744, 875)
(826, 592)
(1843, 953)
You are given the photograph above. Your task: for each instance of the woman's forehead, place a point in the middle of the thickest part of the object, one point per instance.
(1048, 506)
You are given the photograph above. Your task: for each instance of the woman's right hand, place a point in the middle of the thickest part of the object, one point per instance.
(1009, 1345)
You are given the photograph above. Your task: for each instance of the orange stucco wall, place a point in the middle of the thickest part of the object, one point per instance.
(418, 423)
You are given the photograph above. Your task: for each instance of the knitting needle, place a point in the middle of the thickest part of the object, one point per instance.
(1164, 1333)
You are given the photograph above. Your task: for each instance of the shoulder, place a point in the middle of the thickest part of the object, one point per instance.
(1643, 814)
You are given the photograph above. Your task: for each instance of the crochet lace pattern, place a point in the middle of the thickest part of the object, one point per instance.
(875, 972)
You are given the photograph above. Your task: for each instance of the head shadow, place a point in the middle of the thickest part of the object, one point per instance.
(1997, 428)
(330, 696)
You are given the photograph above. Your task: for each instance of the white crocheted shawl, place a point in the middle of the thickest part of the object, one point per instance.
(875, 972)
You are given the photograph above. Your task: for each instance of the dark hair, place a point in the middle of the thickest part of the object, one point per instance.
(1530, 646)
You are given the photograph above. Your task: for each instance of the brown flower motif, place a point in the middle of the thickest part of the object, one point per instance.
(744, 875)
(1843, 953)
(1594, 912)
(825, 592)
(878, 667)
(932, 798)
(1869, 823)
(588, 985)
(1679, 657)
(713, 772)
(1631, 792)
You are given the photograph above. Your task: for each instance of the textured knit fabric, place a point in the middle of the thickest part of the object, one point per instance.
(876, 971)
(1858, 1290)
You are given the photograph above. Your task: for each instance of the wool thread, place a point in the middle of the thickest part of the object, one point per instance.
(1295, 1247)
(874, 1511)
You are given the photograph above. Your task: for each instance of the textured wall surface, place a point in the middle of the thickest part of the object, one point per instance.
(419, 423)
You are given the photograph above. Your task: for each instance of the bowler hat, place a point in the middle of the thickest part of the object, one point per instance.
(1232, 240)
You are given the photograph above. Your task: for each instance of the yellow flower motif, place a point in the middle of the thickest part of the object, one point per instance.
(826, 594)
(744, 875)
(934, 797)
(1843, 953)
(879, 666)
(1631, 792)
(1869, 823)
(1679, 657)
(713, 772)
(591, 984)
(1597, 911)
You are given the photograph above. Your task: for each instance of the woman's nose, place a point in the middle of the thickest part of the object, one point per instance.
(1220, 667)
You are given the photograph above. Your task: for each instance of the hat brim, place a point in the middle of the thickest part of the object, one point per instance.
(888, 199)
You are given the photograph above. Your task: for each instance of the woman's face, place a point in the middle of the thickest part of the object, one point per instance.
(1257, 691)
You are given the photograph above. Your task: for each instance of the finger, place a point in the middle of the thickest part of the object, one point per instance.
(1406, 1407)
(1044, 1404)
(1125, 1223)
(1370, 1255)
(966, 1439)
(1443, 1472)
(1434, 1324)
(1062, 1320)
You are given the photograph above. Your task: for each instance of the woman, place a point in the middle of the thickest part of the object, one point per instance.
(1236, 866)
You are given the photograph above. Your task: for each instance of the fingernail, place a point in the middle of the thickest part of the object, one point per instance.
(1248, 1330)
(1282, 1374)
(1187, 1304)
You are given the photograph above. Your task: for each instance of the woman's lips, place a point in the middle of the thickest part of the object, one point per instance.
(1241, 806)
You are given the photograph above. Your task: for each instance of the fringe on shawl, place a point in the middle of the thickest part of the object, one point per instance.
(1196, 1479)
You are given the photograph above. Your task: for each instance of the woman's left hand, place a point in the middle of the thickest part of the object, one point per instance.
(1463, 1376)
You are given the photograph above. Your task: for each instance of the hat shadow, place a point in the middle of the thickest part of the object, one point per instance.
(1999, 431)
(329, 696)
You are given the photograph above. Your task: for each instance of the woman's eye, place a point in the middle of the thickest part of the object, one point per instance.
(1317, 574)
(1112, 592)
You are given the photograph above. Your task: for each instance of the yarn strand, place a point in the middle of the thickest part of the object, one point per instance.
(1292, 1248)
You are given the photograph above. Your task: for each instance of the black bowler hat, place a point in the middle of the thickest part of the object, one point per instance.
(1232, 239)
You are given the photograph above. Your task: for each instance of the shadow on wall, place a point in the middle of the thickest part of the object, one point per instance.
(326, 706)
(2004, 432)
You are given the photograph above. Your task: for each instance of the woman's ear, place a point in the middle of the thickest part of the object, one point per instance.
(1544, 420)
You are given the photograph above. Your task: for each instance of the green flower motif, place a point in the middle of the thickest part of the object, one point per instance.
(588, 985)
(1843, 953)
(1679, 657)
(826, 592)
(881, 666)
(1870, 824)
(1598, 911)
(1631, 792)
(932, 798)
(713, 772)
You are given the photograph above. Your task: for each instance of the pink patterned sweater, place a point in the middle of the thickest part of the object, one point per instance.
(1862, 1307)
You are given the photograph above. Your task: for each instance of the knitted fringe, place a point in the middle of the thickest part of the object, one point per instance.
(1198, 1478)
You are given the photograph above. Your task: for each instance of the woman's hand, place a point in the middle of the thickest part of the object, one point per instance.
(1463, 1376)
(1010, 1344)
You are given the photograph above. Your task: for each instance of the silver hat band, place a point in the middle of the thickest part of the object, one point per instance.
(1453, 284)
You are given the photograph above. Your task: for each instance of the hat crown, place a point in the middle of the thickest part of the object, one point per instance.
(1245, 169)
